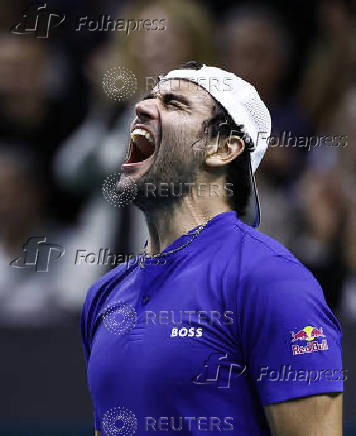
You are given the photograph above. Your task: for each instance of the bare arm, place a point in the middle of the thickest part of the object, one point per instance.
(97, 433)
(320, 415)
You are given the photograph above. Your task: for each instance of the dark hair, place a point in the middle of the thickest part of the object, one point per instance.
(238, 171)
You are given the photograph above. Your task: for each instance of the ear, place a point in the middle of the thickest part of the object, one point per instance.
(228, 150)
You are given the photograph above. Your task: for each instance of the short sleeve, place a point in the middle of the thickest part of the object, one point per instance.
(290, 338)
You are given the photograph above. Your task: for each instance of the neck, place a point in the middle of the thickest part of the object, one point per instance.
(168, 224)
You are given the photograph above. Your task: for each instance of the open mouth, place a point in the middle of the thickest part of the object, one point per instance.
(142, 146)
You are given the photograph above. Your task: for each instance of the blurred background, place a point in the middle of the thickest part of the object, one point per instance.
(60, 136)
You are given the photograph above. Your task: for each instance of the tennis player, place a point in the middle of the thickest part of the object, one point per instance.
(219, 328)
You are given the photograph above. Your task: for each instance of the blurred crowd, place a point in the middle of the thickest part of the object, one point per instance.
(61, 136)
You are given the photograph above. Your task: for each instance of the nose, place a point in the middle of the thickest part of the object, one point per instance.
(147, 110)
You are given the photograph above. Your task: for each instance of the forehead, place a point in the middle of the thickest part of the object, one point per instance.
(190, 90)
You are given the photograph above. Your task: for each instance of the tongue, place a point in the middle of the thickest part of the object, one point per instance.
(136, 155)
(145, 147)
(141, 149)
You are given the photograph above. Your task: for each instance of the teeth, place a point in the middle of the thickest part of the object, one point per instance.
(144, 133)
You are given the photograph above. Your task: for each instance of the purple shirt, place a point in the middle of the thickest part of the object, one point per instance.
(200, 340)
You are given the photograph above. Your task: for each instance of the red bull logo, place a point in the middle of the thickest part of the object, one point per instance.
(309, 334)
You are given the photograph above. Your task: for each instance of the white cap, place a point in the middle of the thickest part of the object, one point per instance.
(239, 98)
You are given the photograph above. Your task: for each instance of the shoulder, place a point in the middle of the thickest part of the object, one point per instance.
(274, 283)
(263, 258)
(276, 290)
(268, 274)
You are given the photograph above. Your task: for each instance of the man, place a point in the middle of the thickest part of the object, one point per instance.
(220, 328)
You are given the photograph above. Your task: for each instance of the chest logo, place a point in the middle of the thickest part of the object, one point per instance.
(186, 332)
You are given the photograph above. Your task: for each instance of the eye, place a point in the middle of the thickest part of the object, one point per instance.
(170, 101)
(175, 103)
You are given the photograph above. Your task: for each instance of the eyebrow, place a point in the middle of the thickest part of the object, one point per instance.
(149, 96)
(169, 96)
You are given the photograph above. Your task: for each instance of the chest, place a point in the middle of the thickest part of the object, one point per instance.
(172, 326)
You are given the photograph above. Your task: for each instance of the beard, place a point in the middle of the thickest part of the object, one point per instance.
(173, 172)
